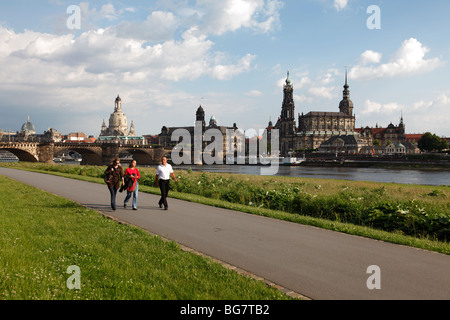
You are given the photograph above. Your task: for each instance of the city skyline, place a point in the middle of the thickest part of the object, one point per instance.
(64, 63)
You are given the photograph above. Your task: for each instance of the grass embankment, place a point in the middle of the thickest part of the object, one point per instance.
(412, 215)
(42, 235)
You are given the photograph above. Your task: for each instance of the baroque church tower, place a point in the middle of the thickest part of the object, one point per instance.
(346, 105)
(118, 125)
(287, 118)
(315, 127)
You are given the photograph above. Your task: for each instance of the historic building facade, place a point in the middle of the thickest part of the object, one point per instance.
(335, 132)
(165, 137)
(314, 127)
(28, 133)
(384, 136)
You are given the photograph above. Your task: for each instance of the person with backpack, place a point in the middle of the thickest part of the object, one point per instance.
(131, 182)
(113, 179)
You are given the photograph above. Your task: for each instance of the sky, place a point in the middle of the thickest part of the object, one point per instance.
(63, 63)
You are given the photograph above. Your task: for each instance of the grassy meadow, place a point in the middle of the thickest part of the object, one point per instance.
(412, 215)
(42, 235)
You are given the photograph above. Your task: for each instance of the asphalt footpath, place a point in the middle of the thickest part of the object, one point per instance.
(315, 263)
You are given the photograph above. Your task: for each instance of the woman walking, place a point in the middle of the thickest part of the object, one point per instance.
(132, 174)
(163, 173)
(114, 179)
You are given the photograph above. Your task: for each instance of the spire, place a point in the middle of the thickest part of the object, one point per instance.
(346, 86)
(288, 80)
(346, 105)
(346, 83)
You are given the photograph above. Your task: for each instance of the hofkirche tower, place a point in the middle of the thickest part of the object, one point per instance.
(314, 127)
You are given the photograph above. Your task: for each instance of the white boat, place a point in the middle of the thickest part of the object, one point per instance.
(293, 160)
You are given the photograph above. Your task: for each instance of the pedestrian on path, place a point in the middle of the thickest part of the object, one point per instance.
(131, 181)
(163, 173)
(114, 179)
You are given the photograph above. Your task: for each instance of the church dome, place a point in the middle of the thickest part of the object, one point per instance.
(28, 127)
(346, 103)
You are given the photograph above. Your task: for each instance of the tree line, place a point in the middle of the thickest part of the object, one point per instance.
(431, 142)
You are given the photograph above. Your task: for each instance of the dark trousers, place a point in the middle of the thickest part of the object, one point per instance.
(113, 192)
(164, 187)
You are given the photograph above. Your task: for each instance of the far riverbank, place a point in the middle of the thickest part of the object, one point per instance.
(433, 177)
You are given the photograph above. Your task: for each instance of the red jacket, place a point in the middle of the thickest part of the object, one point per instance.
(129, 172)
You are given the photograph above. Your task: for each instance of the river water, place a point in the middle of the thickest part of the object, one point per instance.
(403, 176)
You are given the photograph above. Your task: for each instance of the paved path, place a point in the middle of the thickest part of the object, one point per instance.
(316, 263)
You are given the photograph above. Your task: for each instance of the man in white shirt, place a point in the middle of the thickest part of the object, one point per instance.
(163, 173)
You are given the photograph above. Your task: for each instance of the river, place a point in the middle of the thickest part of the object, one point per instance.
(403, 176)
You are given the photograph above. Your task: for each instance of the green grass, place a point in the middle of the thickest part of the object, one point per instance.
(412, 215)
(41, 235)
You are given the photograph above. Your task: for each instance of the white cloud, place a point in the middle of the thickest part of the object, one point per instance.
(159, 26)
(408, 60)
(323, 92)
(75, 73)
(371, 107)
(109, 12)
(226, 72)
(340, 4)
(429, 115)
(370, 56)
(254, 93)
(223, 16)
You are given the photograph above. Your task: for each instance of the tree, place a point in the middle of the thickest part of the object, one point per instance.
(444, 145)
(431, 142)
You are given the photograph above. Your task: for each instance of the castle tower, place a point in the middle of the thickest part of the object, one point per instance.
(200, 116)
(287, 110)
(346, 105)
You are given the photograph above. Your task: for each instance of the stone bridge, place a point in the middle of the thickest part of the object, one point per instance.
(92, 153)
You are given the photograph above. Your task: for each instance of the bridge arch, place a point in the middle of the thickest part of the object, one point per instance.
(143, 155)
(23, 155)
(90, 154)
(24, 151)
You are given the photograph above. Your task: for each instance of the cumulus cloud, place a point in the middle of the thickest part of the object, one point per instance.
(323, 92)
(369, 57)
(223, 16)
(371, 107)
(159, 26)
(75, 72)
(408, 60)
(101, 52)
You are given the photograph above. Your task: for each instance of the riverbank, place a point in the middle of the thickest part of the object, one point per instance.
(406, 214)
(379, 164)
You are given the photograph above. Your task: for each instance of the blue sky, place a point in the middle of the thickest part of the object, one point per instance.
(165, 58)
